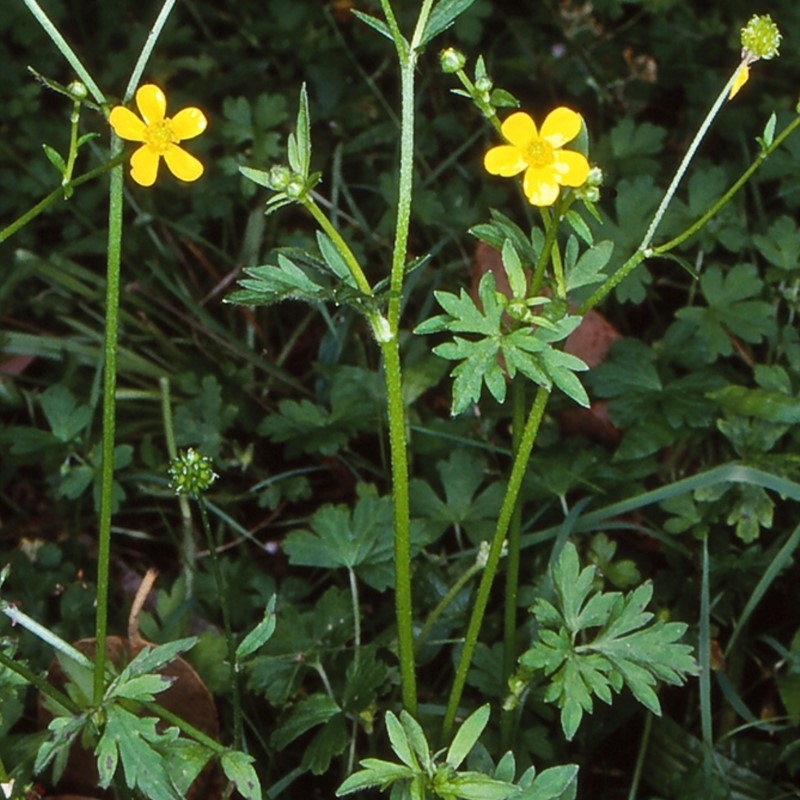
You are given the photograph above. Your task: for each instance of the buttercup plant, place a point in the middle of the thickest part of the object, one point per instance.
(584, 642)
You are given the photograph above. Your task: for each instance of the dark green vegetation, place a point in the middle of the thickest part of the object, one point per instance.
(692, 483)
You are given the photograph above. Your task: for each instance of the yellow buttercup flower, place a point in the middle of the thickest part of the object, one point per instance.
(546, 165)
(159, 135)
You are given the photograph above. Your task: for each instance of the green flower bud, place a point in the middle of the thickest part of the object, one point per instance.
(596, 177)
(589, 193)
(484, 84)
(78, 90)
(761, 37)
(191, 473)
(295, 188)
(452, 60)
(279, 177)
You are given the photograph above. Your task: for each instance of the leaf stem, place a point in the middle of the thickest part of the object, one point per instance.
(66, 50)
(40, 683)
(56, 195)
(487, 109)
(518, 468)
(338, 240)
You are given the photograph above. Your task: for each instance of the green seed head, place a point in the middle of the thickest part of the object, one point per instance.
(761, 37)
(191, 473)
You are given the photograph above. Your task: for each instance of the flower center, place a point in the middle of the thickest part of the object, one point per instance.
(159, 136)
(539, 153)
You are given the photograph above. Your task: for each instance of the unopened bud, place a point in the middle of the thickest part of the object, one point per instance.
(484, 84)
(295, 188)
(452, 60)
(278, 177)
(78, 90)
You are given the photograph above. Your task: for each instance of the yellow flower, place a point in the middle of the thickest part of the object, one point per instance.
(547, 167)
(159, 135)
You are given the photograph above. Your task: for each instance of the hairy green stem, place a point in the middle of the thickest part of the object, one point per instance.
(725, 199)
(537, 278)
(390, 348)
(56, 195)
(147, 49)
(687, 159)
(513, 563)
(222, 594)
(613, 281)
(38, 682)
(503, 523)
(400, 42)
(114, 256)
(341, 245)
(641, 254)
(487, 109)
(398, 444)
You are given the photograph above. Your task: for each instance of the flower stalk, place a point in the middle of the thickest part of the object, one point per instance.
(390, 349)
(110, 347)
(520, 464)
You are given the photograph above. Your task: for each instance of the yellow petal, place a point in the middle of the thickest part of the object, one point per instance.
(504, 160)
(126, 124)
(540, 186)
(182, 164)
(519, 129)
(188, 123)
(740, 79)
(152, 103)
(144, 166)
(561, 126)
(572, 167)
